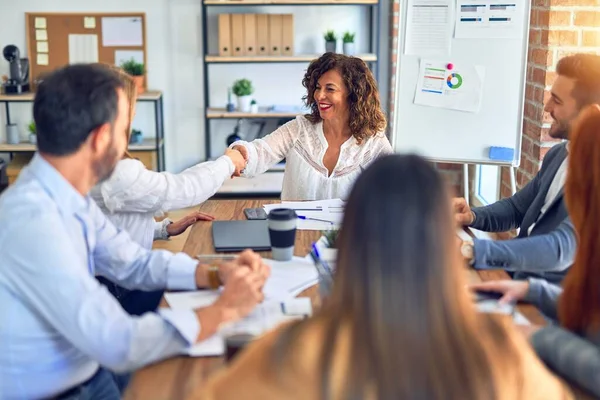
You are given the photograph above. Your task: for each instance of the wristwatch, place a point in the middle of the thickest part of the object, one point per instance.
(468, 251)
(163, 232)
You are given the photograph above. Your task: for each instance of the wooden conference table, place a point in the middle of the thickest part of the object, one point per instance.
(177, 377)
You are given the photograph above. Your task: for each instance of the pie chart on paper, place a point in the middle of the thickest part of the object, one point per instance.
(454, 80)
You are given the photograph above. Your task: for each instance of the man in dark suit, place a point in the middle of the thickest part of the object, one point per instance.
(545, 246)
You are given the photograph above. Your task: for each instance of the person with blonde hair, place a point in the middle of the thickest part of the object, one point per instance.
(133, 195)
(398, 323)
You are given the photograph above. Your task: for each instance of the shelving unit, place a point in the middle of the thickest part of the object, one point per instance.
(154, 145)
(220, 113)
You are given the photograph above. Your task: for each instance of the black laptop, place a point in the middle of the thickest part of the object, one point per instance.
(232, 236)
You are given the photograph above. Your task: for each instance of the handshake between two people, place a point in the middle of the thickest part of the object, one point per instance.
(239, 156)
(243, 280)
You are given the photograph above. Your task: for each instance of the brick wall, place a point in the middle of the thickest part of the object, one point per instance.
(557, 28)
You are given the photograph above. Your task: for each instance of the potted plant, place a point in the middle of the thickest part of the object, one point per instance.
(254, 107)
(348, 40)
(136, 136)
(32, 132)
(242, 88)
(137, 71)
(330, 42)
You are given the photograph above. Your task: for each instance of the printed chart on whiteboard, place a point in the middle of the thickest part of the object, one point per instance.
(477, 19)
(448, 85)
(429, 30)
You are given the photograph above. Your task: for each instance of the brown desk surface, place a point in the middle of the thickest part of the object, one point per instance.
(177, 377)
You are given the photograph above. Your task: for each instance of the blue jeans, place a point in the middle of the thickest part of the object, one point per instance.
(102, 386)
(135, 302)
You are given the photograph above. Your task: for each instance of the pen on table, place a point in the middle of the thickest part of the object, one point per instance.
(317, 258)
(314, 219)
(227, 257)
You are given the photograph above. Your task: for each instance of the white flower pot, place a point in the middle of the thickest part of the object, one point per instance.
(254, 108)
(12, 134)
(349, 49)
(244, 103)
(33, 138)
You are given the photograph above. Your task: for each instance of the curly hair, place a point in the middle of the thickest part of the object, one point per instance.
(366, 116)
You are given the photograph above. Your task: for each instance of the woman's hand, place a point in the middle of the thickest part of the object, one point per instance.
(238, 159)
(178, 227)
(243, 151)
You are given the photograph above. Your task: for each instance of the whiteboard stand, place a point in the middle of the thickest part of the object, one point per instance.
(513, 179)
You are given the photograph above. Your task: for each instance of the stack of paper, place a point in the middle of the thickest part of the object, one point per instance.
(265, 317)
(288, 279)
(319, 215)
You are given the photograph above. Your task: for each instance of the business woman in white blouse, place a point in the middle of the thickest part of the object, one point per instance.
(325, 150)
(134, 195)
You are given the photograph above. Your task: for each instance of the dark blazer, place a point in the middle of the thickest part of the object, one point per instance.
(550, 249)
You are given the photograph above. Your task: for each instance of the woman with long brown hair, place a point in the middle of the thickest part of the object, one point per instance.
(572, 348)
(326, 149)
(134, 195)
(399, 323)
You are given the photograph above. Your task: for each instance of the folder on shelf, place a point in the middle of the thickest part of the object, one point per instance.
(224, 35)
(275, 34)
(250, 34)
(287, 45)
(237, 35)
(262, 34)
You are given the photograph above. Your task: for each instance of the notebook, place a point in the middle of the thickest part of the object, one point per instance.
(230, 236)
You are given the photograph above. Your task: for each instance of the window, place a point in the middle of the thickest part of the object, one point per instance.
(487, 184)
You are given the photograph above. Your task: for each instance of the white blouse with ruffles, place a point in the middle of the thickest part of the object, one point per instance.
(134, 195)
(303, 145)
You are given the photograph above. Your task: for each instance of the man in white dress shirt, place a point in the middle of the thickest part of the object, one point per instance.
(61, 332)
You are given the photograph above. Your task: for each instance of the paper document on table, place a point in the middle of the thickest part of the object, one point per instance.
(478, 19)
(492, 306)
(319, 215)
(448, 85)
(265, 317)
(289, 278)
(429, 27)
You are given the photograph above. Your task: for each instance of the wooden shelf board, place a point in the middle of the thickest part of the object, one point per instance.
(286, 2)
(221, 113)
(27, 97)
(276, 59)
(146, 145)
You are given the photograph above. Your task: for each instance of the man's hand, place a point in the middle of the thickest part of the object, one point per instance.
(248, 259)
(178, 227)
(462, 212)
(239, 161)
(512, 291)
(241, 294)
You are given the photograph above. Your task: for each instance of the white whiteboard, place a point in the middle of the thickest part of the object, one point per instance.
(457, 136)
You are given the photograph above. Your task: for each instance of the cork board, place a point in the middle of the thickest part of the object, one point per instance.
(58, 39)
